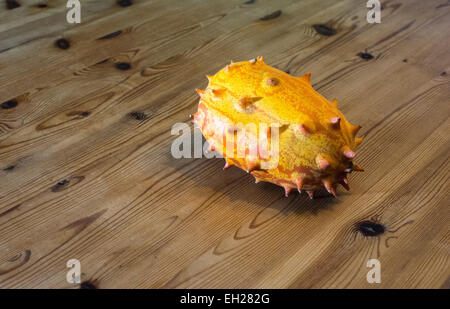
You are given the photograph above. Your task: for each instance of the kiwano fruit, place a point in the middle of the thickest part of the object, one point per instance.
(315, 144)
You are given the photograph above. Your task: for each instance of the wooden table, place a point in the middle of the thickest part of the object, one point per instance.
(86, 170)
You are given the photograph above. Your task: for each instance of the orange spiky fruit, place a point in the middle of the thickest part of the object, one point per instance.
(316, 143)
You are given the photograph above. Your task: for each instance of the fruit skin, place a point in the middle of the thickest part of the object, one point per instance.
(316, 142)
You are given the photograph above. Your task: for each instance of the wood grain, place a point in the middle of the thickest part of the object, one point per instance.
(86, 170)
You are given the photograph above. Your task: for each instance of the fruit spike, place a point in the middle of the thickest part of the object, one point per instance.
(335, 121)
(306, 78)
(358, 141)
(252, 165)
(302, 129)
(299, 184)
(322, 162)
(316, 145)
(344, 183)
(200, 92)
(329, 186)
(211, 148)
(350, 154)
(357, 168)
(287, 190)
